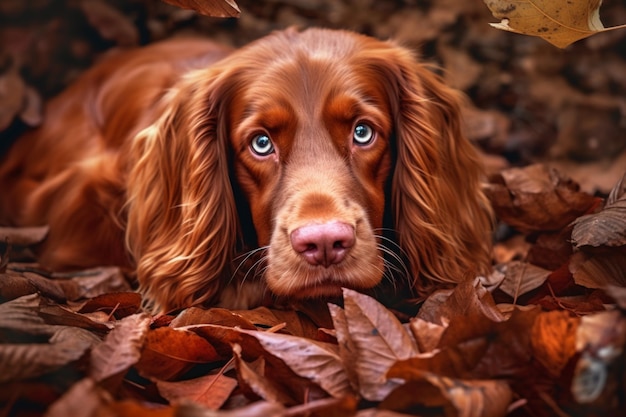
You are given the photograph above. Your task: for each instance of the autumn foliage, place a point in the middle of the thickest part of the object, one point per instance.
(543, 335)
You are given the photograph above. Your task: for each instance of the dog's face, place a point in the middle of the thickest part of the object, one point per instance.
(310, 124)
(310, 134)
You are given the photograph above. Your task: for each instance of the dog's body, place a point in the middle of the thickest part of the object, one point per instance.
(173, 158)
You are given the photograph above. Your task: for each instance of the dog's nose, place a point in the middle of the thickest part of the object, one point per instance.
(323, 244)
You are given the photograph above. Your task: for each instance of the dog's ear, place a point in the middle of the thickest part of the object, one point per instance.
(182, 220)
(441, 214)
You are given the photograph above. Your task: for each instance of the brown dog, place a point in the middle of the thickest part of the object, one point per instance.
(175, 158)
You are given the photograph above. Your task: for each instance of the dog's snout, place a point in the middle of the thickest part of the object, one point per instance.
(323, 244)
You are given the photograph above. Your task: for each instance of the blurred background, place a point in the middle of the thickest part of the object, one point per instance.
(528, 100)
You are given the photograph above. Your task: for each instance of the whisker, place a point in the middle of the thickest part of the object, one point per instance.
(246, 256)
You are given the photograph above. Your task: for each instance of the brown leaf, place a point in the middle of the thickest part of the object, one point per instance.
(84, 399)
(23, 361)
(168, 353)
(121, 304)
(455, 397)
(560, 23)
(253, 381)
(521, 277)
(94, 282)
(110, 23)
(23, 236)
(608, 226)
(121, 348)
(426, 334)
(599, 270)
(211, 391)
(217, 316)
(378, 339)
(618, 294)
(213, 8)
(553, 338)
(14, 285)
(317, 361)
(22, 314)
(537, 198)
(257, 409)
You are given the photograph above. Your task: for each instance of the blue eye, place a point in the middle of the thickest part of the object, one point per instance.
(262, 145)
(363, 134)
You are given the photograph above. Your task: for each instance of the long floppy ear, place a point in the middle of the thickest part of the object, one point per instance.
(442, 217)
(182, 221)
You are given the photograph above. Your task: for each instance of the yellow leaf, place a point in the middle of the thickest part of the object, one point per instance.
(559, 22)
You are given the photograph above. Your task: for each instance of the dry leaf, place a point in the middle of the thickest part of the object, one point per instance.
(213, 8)
(168, 353)
(121, 348)
(537, 198)
(254, 382)
(110, 23)
(598, 270)
(521, 277)
(553, 338)
(22, 361)
(217, 316)
(211, 391)
(378, 339)
(23, 236)
(451, 397)
(257, 409)
(608, 226)
(317, 361)
(83, 399)
(560, 23)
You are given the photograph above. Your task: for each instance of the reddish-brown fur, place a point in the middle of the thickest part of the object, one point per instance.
(147, 162)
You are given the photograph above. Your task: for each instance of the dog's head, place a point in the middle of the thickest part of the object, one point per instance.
(314, 126)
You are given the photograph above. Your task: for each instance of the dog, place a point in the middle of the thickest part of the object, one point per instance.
(315, 159)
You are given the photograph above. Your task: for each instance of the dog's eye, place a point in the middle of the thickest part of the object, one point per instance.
(262, 145)
(363, 134)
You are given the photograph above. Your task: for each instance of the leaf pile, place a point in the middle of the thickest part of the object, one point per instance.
(543, 335)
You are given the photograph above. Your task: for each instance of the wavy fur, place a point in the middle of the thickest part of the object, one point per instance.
(161, 152)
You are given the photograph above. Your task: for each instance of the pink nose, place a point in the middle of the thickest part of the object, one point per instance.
(323, 244)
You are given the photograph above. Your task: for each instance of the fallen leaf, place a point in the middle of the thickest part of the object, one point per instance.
(451, 397)
(210, 391)
(217, 316)
(599, 270)
(253, 381)
(257, 409)
(120, 304)
(606, 227)
(537, 198)
(560, 23)
(23, 236)
(317, 361)
(213, 8)
(23, 361)
(378, 339)
(84, 399)
(553, 339)
(521, 278)
(121, 348)
(168, 353)
(110, 23)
